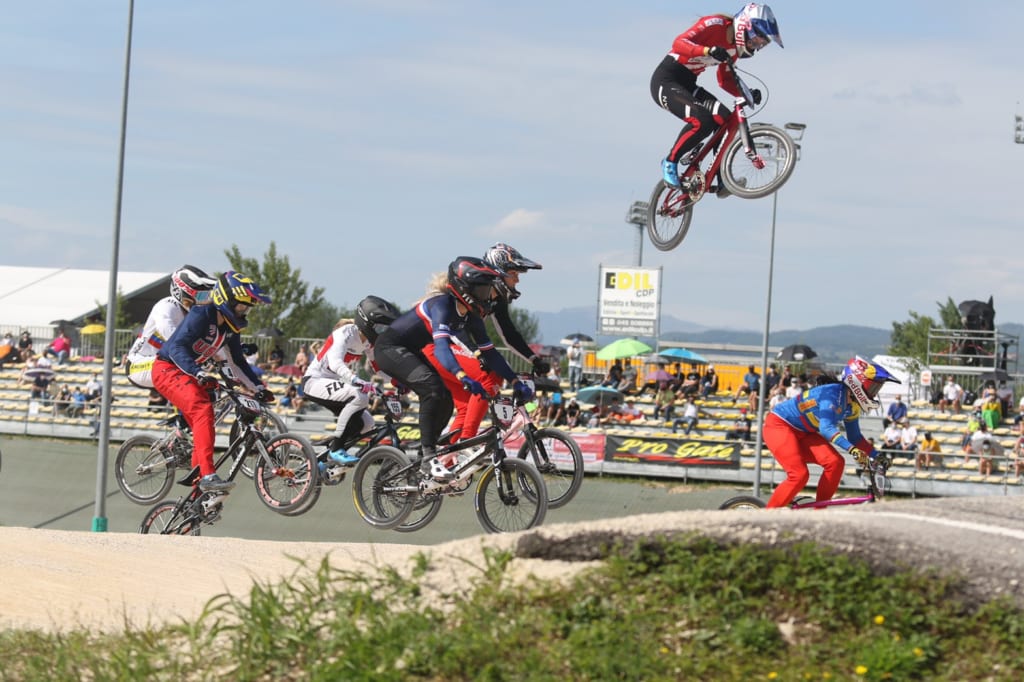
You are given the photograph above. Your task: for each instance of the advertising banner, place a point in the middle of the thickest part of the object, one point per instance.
(644, 450)
(629, 301)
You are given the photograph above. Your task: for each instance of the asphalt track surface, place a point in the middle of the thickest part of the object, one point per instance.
(51, 484)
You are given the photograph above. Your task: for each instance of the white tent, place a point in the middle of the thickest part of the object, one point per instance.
(904, 369)
(36, 297)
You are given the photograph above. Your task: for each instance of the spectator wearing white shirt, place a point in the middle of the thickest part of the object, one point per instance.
(908, 436)
(952, 396)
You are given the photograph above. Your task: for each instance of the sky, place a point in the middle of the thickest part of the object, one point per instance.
(375, 140)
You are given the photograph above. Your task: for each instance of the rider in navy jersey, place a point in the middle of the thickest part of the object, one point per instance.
(178, 372)
(435, 321)
(713, 41)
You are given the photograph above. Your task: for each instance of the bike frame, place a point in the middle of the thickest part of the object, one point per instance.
(873, 469)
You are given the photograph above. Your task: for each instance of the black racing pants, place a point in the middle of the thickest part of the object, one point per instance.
(411, 369)
(675, 88)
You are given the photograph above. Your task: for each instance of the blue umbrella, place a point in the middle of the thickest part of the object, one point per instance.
(684, 354)
(598, 395)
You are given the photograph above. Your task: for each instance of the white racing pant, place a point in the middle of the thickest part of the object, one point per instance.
(336, 395)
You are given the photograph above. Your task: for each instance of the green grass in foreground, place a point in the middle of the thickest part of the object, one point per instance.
(690, 609)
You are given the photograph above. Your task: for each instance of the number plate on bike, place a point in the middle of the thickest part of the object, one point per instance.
(249, 403)
(395, 406)
(504, 410)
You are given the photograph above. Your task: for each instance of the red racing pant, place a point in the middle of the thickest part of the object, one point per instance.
(469, 409)
(794, 450)
(194, 403)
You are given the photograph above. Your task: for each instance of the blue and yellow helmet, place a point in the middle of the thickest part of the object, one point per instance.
(234, 288)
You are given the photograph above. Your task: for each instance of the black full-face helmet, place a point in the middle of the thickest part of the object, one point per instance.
(374, 315)
(474, 283)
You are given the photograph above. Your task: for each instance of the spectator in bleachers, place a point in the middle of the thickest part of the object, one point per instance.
(62, 400)
(613, 377)
(973, 422)
(59, 348)
(39, 381)
(556, 410)
(8, 351)
(929, 452)
(992, 410)
(952, 397)
(771, 379)
(628, 384)
(896, 411)
(985, 445)
(276, 357)
(891, 437)
(740, 428)
(691, 383)
(94, 388)
(573, 413)
(709, 384)
(77, 406)
(664, 401)
(750, 387)
(908, 436)
(25, 346)
(1005, 395)
(691, 416)
(796, 387)
(302, 358)
(626, 414)
(575, 356)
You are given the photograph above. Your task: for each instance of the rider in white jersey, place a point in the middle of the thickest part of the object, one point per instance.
(189, 286)
(330, 380)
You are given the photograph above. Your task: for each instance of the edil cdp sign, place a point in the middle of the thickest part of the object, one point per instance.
(629, 301)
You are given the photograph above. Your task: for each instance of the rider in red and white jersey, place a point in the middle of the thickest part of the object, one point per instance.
(330, 380)
(713, 40)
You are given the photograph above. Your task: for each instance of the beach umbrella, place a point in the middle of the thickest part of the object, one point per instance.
(684, 355)
(796, 352)
(92, 329)
(270, 332)
(598, 395)
(37, 372)
(623, 348)
(289, 371)
(658, 375)
(577, 336)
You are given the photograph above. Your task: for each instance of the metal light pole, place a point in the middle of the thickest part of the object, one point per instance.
(797, 133)
(637, 215)
(99, 519)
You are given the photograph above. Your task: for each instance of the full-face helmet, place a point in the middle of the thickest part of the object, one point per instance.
(374, 315)
(755, 27)
(190, 285)
(508, 259)
(234, 294)
(864, 379)
(474, 282)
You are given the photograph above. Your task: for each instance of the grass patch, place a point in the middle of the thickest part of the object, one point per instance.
(683, 609)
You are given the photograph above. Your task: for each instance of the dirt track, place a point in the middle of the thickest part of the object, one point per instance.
(57, 579)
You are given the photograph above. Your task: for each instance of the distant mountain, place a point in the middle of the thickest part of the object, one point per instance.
(834, 343)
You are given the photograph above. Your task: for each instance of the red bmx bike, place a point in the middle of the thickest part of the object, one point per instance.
(749, 160)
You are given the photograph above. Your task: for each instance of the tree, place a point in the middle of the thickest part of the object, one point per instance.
(526, 323)
(910, 338)
(293, 306)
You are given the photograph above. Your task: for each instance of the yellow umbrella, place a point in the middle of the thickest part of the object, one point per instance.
(93, 329)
